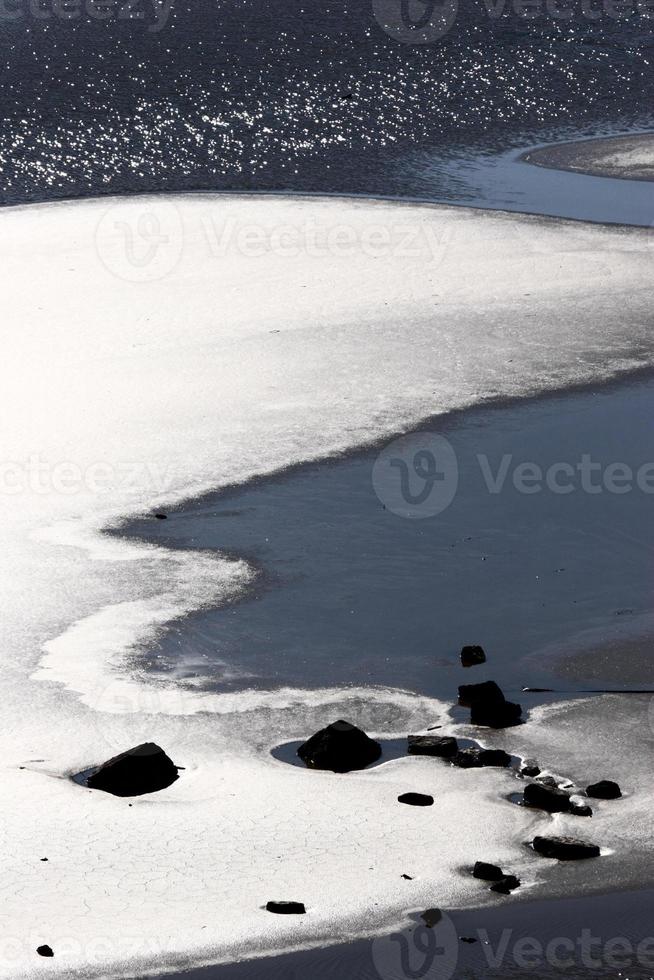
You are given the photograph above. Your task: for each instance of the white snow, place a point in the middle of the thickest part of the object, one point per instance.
(263, 332)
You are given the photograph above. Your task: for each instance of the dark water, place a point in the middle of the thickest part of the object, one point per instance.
(350, 592)
(603, 937)
(287, 95)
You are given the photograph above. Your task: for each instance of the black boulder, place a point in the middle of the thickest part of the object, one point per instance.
(440, 746)
(547, 798)
(472, 656)
(143, 769)
(565, 848)
(340, 747)
(416, 799)
(604, 790)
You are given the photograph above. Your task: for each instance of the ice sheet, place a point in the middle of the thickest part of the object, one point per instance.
(157, 348)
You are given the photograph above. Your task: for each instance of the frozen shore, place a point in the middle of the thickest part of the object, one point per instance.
(159, 348)
(627, 157)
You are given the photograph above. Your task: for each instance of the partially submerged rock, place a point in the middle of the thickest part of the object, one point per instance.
(44, 951)
(506, 885)
(416, 799)
(578, 809)
(500, 715)
(530, 768)
(143, 769)
(441, 746)
(547, 798)
(487, 692)
(431, 917)
(495, 757)
(476, 758)
(488, 706)
(487, 872)
(472, 656)
(286, 908)
(467, 759)
(340, 747)
(565, 848)
(604, 790)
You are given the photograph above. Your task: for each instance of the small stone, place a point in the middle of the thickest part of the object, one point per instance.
(507, 885)
(547, 798)
(487, 872)
(161, 517)
(467, 759)
(604, 790)
(44, 951)
(565, 848)
(431, 917)
(476, 758)
(472, 656)
(440, 746)
(416, 799)
(407, 877)
(580, 810)
(495, 757)
(530, 768)
(467, 939)
(286, 908)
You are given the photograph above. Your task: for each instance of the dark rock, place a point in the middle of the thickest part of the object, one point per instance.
(161, 517)
(431, 917)
(472, 656)
(416, 799)
(407, 877)
(548, 781)
(340, 747)
(495, 757)
(565, 848)
(530, 768)
(604, 790)
(580, 810)
(44, 951)
(487, 872)
(488, 706)
(467, 759)
(467, 939)
(475, 758)
(498, 715)
(488, 693)
(436, 745)
(286, 908)
(144, 769)
(507, 885)
(547, 798)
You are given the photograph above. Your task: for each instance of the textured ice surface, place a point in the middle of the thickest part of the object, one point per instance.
(155, 349)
